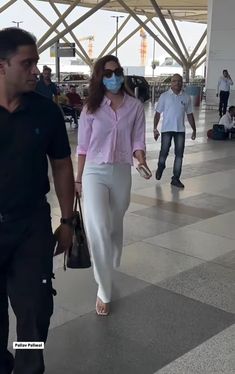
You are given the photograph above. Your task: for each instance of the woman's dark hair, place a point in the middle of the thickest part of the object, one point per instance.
(96, 87)
(11, 39)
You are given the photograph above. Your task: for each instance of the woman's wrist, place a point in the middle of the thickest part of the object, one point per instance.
(141, 159)
(140, 156)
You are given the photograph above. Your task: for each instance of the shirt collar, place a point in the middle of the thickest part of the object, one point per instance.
(179, 94)
(24, 104)
(107, 101)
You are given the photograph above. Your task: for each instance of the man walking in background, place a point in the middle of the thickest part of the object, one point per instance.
(45, 86)
(31, 129)
(173, 103)
(223, 91)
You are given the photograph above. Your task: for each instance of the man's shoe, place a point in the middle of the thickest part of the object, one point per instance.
(158, 174)
(176, 182)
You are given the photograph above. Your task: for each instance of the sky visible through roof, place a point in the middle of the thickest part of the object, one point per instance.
(101, 25)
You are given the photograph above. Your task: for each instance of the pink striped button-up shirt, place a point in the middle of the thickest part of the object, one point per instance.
(109, 136)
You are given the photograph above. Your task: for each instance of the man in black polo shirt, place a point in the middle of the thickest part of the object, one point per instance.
(31, 129)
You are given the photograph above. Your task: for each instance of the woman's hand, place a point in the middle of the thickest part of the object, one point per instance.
(78, 188)
(140, 156)
(145, 172)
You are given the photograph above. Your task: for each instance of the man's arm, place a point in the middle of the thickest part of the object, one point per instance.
(64, 184)
(230, 80)
(191, 120)
(55, 93)
(218, 86)
(155, 124)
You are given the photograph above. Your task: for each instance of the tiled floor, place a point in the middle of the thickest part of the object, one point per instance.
(174, 294)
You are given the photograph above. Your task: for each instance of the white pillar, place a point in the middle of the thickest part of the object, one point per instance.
(220, 46)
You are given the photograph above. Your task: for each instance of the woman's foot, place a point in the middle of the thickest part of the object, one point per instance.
(102, 309)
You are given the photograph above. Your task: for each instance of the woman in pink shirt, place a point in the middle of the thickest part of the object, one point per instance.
(111, 132)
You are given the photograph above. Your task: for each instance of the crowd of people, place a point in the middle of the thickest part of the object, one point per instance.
(111, 134)
(69, 102)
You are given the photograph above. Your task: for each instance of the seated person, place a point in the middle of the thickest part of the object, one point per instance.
(225, 128)
(75, 99)
(62, 99)
(67, 109)
(228, 118)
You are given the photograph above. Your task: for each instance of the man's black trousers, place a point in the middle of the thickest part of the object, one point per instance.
(26, 255)
(223, 102)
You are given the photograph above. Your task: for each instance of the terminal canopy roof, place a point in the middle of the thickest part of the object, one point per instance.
(182, 10)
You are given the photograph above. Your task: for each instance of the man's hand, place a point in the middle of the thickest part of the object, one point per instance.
(156, 134)
(193, 136)
(217, 95)
(63, 236)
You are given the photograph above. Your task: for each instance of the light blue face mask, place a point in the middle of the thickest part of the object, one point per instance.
(114, 83)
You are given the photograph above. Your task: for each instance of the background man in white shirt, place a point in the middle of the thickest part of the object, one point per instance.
(228, 119)
(223, 90)
(173, 104)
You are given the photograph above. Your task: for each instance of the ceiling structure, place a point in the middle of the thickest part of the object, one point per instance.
(182, 10)
(169, 38)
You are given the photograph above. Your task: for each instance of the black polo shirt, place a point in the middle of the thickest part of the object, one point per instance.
(27, 136)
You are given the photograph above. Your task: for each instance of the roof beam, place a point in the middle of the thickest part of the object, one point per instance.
(163, 35)
(197, 46)
(4, 7)
(58, 22)
(159, 30)
(168, 30)
(87, 58)
(130, 35)
(172, 54)
(113, 37)
(200, 62)
(73, 25)
(203, 53)
(178, 33)
(50, 24)
(177, 5)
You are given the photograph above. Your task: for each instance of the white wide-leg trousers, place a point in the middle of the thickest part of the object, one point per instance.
(106, 194)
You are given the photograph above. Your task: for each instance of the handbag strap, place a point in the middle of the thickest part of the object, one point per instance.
(75, 203)
(78, 202)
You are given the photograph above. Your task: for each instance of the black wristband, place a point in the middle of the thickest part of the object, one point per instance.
(67, 221)
(78, 182)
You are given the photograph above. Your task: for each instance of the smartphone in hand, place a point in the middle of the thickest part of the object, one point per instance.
(144, 171)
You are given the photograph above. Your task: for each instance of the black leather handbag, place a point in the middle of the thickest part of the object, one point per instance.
(78, 256)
